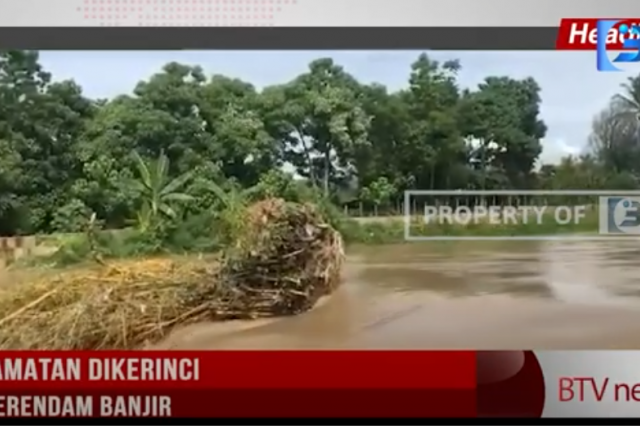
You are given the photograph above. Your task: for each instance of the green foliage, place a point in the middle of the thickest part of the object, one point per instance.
(180, 157)
(72, 217)
(157, 190)
(379, 192)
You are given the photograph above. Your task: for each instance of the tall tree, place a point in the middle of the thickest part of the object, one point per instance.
(503, 114)
(319, 121)
(433, 142)
(40, 123)
(627, 103)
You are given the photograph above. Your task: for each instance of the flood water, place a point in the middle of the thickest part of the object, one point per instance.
(561, 295)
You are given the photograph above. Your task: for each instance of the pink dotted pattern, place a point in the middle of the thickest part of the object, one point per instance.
(182, 13)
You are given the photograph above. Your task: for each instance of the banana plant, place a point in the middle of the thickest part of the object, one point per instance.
(159, 191)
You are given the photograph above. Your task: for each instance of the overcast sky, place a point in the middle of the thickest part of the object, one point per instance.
(572, 90)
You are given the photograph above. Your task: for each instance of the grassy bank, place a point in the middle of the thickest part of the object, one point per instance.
(198, 239)
(392, 230)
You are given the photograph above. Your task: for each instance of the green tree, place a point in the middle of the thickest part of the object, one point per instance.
(63, 155)
(40, 124)
(627, 103)
(433, 142)
(503, 115)
(319, 122)
(379, 192)
(615, 140)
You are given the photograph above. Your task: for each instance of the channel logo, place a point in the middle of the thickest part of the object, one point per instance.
(629, 35)
(620, 216)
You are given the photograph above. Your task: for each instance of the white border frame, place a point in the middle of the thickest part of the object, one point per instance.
(595, 237)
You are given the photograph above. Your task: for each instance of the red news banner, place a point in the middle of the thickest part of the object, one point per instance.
(238, 384)
(580, 34)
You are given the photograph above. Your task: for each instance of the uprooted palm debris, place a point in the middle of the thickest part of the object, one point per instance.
(286, 258)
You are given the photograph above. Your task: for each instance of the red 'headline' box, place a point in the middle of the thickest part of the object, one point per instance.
(580, 34)
(309, 403)
(270, 370)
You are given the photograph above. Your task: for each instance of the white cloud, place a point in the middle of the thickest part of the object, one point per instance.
(554, 149)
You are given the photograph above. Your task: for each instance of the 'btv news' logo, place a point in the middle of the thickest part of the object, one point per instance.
(605, 36)
(596, 389)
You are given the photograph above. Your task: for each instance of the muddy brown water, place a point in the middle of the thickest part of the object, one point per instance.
(556, 295)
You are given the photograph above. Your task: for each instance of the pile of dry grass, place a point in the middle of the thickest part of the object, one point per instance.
(123, 305)
(285, 259)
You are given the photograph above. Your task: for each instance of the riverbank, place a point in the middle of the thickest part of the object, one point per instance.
(389, 291)
(284, 259)
(69, 249)
(391, 230)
